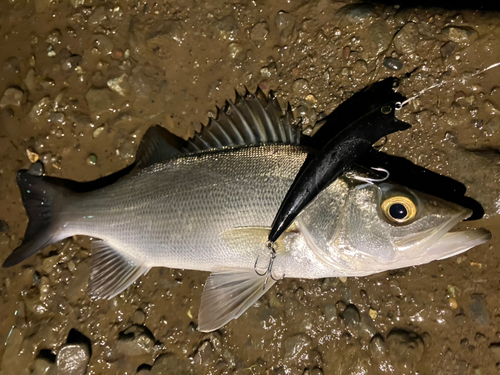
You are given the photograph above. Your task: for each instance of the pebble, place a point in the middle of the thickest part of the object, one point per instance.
(295, 345)
(495, 350)
(135, 340)
(356, 13)
(351, 316)
(97, 132)
(283, 20)
(71, 63)
(460, 34)
(329, 283)
(448, 48)
(169, 363)
(377, 346)
(393, 63)
(119, 85)
(235, 50)
(4, 227)
(72, 359)
(139, 317)
(405, 348)
(460, 319)
(479, 314)
(36, 169)
(300, 86)
(204, 354)
(43, 366)
(99, 101)
(12, 97)
(259, 33)
(92, 159)
(330, 312)
(407, 38)
(380, 35)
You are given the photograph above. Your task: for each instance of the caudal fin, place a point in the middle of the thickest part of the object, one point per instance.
(39, 198)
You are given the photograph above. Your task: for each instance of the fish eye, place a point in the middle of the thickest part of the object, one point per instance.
(399, 209)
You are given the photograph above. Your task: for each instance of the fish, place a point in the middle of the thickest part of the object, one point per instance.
(207, 204)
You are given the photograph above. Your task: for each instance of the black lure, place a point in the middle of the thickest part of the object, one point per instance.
(349, 132)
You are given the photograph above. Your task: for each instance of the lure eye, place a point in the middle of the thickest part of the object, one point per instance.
(399, 209)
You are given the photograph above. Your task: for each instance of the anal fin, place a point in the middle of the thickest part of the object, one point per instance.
(228, 294)
(111, 273)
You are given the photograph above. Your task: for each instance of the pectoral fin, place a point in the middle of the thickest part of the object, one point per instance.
(111, 273)
(228, 294)
(243, 237)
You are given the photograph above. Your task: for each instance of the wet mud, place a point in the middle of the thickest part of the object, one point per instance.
(81, 82)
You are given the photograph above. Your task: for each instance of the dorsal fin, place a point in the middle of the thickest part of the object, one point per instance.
(157, 145)
(252, 120)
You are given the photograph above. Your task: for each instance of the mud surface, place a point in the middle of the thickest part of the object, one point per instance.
(82, 80)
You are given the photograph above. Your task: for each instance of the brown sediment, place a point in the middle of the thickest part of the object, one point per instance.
(81, 82)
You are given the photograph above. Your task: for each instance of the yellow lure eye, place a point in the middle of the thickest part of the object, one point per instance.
(399, 209)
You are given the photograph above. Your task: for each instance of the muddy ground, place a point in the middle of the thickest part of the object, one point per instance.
(82, 80)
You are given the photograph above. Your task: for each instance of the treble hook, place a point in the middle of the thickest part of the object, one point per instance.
(269, 271)
(370, 180)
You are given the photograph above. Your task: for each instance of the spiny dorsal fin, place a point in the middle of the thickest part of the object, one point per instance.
(228, 294)
(252, 120)
(111, 273)
(158, 145)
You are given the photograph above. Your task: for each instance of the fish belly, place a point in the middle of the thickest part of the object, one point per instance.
(172, 214)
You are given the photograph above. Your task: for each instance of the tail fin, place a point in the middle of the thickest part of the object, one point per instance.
(39, 198)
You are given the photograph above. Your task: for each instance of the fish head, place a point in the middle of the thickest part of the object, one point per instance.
(368, 228)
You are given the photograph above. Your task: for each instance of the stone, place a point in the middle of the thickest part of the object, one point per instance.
(351, 316)
(405, 348)
(204, 354)
(283, 20)
(393, 63)
(460, 34)
(407, 38)
(169, 363)
(135, 340)
(72, 359)
(12, 97)
(479, 313)
(380, 35)
(495, 350)
(4, 227)
(99, 101)
(356, 13)
(259, 33)
(448, 48)
(330, 312)
(300, 86)
(43, 366)
(295, 345)
(119, 85)
(139, 317)
(377, 346)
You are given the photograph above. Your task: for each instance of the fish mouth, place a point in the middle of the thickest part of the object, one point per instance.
(444, 243)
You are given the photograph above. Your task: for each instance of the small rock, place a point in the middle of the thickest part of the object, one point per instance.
(36, 169)
(169, 363)
(351, 316)
(460, 319)
(295, 345)
(329, 283)
(380, 35)
(407, 38)
(356, 13)
(228, 28)
(4, 227)
(330, 312)
(495, 350)
(98, 16)
(283, 20)
(259, 33)
(12, 97)
(139, 317)
(393, 63)
(135, 340)
(96, 133)
(235, 50)
(405, 348)
(448, 48)
(54, 37)
(204, 354)
(460, 34)
(300, 86)
(71, 63)
(92, 159)
(43, 366)
(72, 359)
(119, 85)
(99, 101)
(479, 314)
(377, 346)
